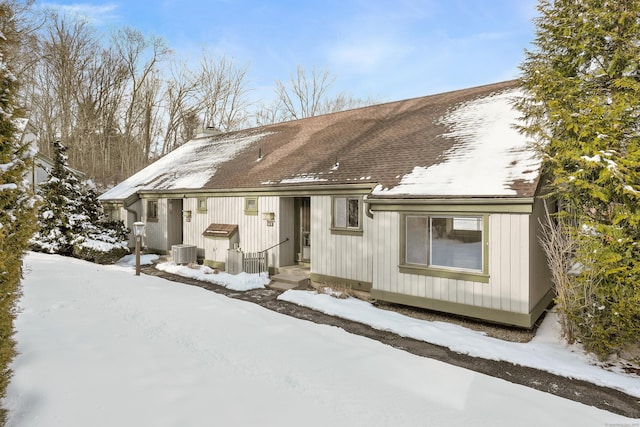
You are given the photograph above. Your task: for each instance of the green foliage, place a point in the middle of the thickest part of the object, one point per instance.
(606, 315)
(103, 242)
(70, 219)
(61, 215)
(16, 203)
(582, 109)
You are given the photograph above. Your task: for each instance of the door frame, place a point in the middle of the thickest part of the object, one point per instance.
(302, 228)
(175, 229)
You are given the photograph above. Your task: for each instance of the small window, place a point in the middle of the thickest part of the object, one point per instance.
(202, 205)
(112, 214)
(152, 210)
(444, 242)
(346, 212)
(251, 206)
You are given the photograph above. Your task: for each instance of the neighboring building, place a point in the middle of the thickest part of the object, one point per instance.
(428, 202)
(42, 165)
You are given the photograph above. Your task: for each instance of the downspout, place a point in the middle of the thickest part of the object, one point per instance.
(135, 213)
(367, 210)
(130, 201)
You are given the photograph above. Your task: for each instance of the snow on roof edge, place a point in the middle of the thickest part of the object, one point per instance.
(490, 151)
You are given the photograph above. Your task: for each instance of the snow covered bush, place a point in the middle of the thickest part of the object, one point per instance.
(106, 244)
(70, 219)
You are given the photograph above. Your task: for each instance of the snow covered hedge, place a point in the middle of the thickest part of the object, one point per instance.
(106, 245)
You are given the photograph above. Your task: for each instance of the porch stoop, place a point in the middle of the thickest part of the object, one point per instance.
(290, 278)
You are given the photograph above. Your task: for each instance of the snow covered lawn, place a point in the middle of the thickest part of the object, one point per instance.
(546, 351)
(100, 346)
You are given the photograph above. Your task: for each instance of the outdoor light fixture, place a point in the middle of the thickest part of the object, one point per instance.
(270, 217)
(138, 231)
(187, 215)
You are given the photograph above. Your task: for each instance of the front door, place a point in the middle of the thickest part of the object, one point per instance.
(305, 228)
(174, 222)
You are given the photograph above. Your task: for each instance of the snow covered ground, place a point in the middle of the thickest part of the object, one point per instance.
(100, 346)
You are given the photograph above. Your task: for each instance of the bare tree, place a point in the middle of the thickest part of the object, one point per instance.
(344, 101)
(306, 95)
(222, 93)
(302, 96)
(269, 114)
(104, 90)
(133, 47)
(180, 105)
(67, 50)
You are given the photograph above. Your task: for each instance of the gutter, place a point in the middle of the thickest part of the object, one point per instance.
(515, 205)
(452, 201)
(288, 190)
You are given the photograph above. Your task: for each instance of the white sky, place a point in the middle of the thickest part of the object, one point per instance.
(387, 50)
(100, 346)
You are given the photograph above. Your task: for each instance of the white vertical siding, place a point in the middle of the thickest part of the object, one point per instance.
(254, 234)
(156, 231)
(386, 252)
(540, 276)
(335, 255)
(509, 267)
(508, 254)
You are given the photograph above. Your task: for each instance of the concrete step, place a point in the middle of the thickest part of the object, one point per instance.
(287, 281)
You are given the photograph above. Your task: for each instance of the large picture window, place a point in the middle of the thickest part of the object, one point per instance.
(346, 212)
(450, 242)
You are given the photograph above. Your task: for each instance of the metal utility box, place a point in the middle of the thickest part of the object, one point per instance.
(184, 254)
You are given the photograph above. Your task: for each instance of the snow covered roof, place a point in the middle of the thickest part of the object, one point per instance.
(187, 167)
(455, 144)
(490, 155)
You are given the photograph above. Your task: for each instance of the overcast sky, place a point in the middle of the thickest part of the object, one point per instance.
(387, 50)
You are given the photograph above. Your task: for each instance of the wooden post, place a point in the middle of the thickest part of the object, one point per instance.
(138, 238)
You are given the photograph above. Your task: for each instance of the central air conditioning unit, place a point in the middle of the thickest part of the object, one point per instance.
(184, 254)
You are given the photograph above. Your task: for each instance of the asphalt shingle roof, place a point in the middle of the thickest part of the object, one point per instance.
(385, 145)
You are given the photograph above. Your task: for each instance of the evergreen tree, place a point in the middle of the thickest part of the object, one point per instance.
(60, 217)
(101, 240)
(70, 218)
(17, 213)
(582, 108)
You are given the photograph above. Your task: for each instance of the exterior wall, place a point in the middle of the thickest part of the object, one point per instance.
(155, 230)
(540, 275)
(129, 217)
(117, 212)
(337, 255)
(253, 233)
(40, 174)
(509, 248)
(507, 290)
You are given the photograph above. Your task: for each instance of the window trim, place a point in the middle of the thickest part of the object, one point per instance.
(200, 209)
(251, 210)
(346, 231)
(481, 276)
(148, 210)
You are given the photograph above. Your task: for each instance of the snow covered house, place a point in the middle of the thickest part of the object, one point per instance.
(428, 202)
